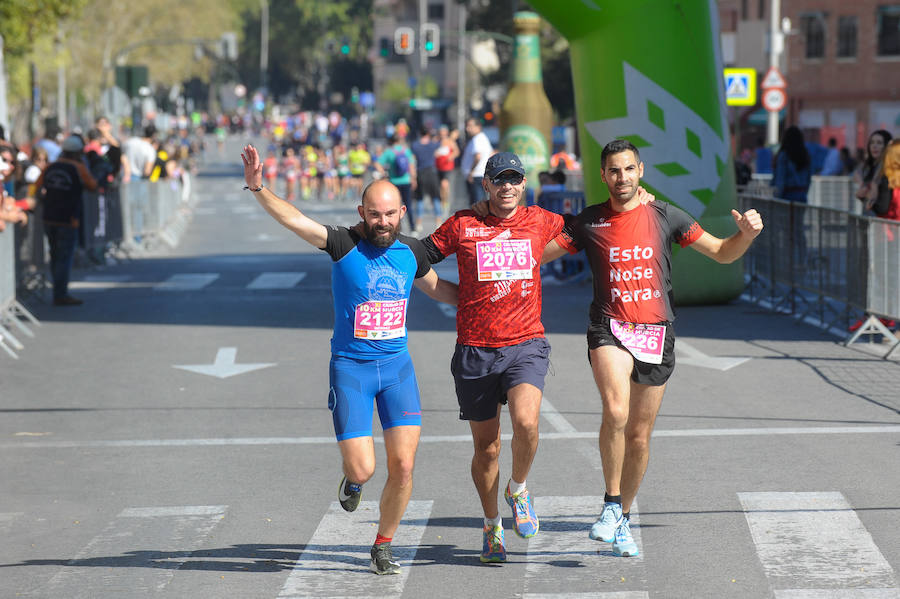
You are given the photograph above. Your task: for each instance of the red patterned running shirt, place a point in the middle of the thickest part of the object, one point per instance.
(499, 264)
(630, 254)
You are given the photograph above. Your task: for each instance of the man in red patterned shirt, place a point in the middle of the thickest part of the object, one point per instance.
(501, 354)
(631, 341)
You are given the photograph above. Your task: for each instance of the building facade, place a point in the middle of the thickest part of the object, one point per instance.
(841, 60)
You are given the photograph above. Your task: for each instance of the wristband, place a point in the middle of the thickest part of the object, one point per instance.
(253, 190)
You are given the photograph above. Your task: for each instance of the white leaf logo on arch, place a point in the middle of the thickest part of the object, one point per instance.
(683, 154)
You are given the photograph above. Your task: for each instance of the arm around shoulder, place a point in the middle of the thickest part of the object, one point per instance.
(438, 289)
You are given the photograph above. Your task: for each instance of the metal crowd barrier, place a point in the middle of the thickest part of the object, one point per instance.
(826, 192)
(120, 221)
(568, 268)
(826, 263)
(13, 315)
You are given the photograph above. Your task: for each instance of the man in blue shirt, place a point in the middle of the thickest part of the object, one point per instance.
(372, 276)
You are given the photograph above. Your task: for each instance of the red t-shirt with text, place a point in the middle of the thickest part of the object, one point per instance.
(630, 254)
(499, 264)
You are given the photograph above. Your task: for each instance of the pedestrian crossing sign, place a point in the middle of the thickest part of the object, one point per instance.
(740, 87)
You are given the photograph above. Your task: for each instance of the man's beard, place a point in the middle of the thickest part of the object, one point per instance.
(375, 235)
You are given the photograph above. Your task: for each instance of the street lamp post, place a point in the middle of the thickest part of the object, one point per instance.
(264, 45)
(776, 43)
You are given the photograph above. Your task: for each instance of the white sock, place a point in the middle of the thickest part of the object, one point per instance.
(516, 487)
(492, 522)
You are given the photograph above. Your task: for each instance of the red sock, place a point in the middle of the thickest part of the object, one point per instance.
(379, 539)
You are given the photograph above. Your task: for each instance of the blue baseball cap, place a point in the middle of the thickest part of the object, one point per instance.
(503, 161)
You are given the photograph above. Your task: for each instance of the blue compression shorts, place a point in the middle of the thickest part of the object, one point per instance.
(355, 383)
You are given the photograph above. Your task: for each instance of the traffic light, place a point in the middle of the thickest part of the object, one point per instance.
(385, 47)
(431, 39)
(404, 38)
(345, 46)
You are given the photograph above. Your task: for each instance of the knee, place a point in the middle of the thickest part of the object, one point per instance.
(401, 470)
(359, 472)
(526, 426)
(615, 414)
(638, 440)
(488, 451)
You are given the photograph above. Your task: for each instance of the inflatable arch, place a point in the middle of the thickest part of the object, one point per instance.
(651, 72)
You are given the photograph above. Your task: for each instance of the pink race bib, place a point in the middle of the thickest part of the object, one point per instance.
(503, 259)
(380, 320)
(644, 341)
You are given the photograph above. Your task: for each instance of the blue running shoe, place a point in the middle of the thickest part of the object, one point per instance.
(604, 529)
(525, 522)
(492, 549)
(623, 544)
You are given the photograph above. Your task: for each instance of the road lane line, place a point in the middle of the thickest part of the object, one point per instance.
(597, 595)
(241, 441)
(554, 418)
(137, 554)
(335, 562)
(807, 542)
(276, 280)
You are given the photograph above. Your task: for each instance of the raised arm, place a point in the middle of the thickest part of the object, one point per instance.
(284, 212)
(728, 250)
(438, 289)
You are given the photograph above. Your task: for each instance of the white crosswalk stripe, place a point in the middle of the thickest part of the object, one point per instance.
(138, 553)
(813, 544)
(563, 541)
(276, 280)
(335, 562)
(187, 282)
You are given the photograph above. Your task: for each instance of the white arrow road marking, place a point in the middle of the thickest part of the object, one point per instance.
(688, 354)
(224, 365)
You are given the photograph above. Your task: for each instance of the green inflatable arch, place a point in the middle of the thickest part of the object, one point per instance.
(651, 72)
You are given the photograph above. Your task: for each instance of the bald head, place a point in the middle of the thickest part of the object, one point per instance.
(380, 191)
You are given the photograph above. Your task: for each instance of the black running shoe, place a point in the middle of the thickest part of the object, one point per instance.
(349, 494)
(383, 560)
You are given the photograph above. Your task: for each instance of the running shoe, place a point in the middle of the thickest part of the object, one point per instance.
(525, 522)
(492, 549)
(623, 544)
(604, 529)
(349, 494)
(383, 561)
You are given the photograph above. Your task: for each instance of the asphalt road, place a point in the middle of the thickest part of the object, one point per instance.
(128, 469)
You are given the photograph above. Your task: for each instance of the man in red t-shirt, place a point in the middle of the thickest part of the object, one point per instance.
(501, 354)
(631, 341)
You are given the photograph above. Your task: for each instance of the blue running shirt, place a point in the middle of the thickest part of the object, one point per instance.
(370, 287)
